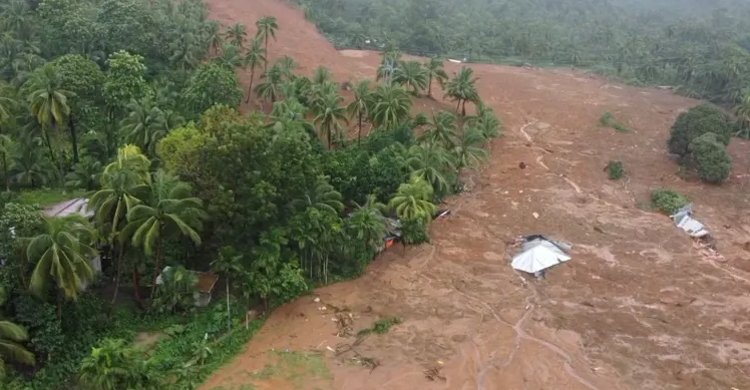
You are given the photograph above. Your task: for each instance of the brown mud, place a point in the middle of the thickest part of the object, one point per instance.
(640, 306)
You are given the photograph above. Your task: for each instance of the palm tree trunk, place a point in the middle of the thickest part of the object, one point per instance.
(120, 250)
(73, 138)
(137, 286)
(49, 147)
(157, 264)
(250, 88)
(229, 316)
(5, 173)
(359, 133)
(265, 63)
(463, 109)
(328, 132)
(458, 106)
(429, 87)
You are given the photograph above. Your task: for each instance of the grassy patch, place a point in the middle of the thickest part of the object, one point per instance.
(615, 170)
(381, 326)
(295, 367)
(48, 196)
(668, 201)
(608, 120)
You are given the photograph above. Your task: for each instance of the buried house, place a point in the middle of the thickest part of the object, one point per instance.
(539, 253)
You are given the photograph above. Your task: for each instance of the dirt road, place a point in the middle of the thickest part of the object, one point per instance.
(638, 307)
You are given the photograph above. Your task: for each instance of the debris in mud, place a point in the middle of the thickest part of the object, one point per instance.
(522, 165)
(344, 322)
(434, 374)
(366, 362)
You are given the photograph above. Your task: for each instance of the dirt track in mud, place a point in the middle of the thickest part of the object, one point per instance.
(638, 307)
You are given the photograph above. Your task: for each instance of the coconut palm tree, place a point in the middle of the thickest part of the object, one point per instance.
(270, 88)
(212, 36)
(367, 224)
(49, 105)
(468, 151)
(435, 71)
(442, 130)
(62, 254)
(743, 117)
(462, 88)
(321, 197)
(167, 210)
(411, 74)
(267, 27)
(236, 34)
(329, 113)
(358, 107)
(287, 66)
(486, 122)
(122, 181)
(256, 55)
(231, 57)
(85, 174)
(146, 124)
(30, 166)
(11, 337)
(391, 106)
(434, 163)
(7, 102)
(413, 200)
(321, 76)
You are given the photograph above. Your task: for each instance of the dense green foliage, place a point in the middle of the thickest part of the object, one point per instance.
(699, 46)
(710, 158)
(695, 122)
(668, 201)
(134, 104)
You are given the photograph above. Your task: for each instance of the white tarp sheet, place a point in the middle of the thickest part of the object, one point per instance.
(537, 255)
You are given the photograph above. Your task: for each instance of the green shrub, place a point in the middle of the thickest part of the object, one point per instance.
(615, 170)
(381, 326)
(608, 120)
(668, 201)
(414, 231)
(697, 121)
(710, 158)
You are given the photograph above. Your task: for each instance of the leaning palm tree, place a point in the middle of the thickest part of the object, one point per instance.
(743, 117)
(236, 34)
(411, 74)
(358, 107)
(462, 88)
(267, 27)
(62, 253)
(167, 210)
(11, 337)
(49, 105)
(391, 106)
(435, 71)
(329, 113)
(256, 55)
(413, 201)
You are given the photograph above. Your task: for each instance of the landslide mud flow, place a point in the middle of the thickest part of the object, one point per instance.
(640, 306)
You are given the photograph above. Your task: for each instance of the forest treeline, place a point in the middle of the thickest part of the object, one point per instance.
(700, 47)
(134, 106)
